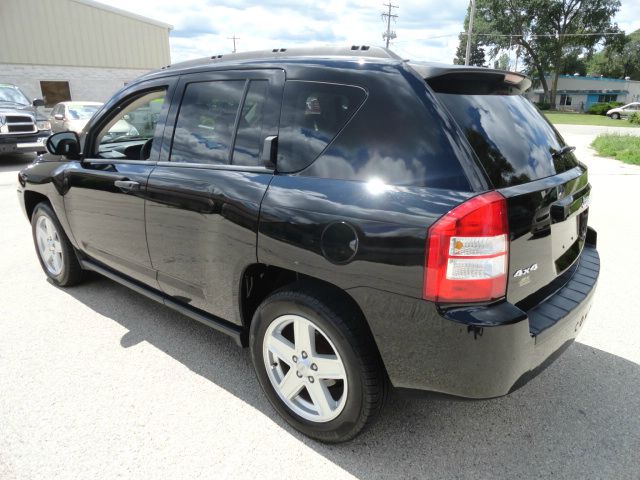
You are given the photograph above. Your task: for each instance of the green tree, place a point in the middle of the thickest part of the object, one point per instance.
(502, 63)
(619, 59)
(476, 56)
(548, 31)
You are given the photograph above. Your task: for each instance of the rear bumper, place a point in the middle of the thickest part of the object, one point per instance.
(479, 352)
(25, 143)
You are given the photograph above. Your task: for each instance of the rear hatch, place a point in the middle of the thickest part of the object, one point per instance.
(528, 162)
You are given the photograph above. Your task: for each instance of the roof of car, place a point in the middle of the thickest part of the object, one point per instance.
(329, 54)
(355, 51)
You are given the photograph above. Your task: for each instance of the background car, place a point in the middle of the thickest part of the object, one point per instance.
(624, 111)
(72, 116)
(23, 128)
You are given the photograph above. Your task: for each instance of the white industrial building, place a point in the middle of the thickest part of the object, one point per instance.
(76, 49)
(577, 93)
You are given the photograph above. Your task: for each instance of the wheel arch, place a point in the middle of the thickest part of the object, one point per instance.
(31, 199)
(260, 280)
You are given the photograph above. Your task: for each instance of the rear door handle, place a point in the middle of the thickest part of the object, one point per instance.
(127, 185)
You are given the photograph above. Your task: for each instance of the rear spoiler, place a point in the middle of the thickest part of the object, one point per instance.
(471, 80)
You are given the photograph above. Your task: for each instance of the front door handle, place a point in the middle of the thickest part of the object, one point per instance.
(127, 185)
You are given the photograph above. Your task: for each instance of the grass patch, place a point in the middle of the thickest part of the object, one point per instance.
(622, 147)
(558, 118)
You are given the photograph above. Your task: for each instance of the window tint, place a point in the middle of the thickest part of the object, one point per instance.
(249, 136)
(206, 121)
(511, 138)
(312, 115)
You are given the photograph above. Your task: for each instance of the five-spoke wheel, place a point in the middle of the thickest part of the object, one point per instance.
(49, 246)
(305, 368)
(55, 252)
(316, 361)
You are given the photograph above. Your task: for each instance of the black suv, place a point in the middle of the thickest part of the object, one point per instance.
(355, 219)
(22, 127)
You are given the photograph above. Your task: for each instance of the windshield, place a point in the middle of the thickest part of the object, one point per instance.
(82, 112)
(12, 94)
(512, 139)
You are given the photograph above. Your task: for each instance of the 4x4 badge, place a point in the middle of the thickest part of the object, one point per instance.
(525, 271)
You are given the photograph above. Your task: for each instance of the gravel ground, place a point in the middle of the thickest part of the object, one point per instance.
(99, 382)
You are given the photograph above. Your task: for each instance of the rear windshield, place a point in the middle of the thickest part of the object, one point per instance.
(512, 139)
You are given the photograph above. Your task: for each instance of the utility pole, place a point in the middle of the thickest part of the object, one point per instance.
(469, 32)
(234, 38)
(389, 34)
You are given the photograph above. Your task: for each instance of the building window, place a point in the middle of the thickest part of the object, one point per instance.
(607, 98)
(55, 92)
(565, 100)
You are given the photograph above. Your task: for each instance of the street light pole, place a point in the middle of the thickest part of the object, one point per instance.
(469, 32)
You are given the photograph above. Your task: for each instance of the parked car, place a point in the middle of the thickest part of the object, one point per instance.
(356, 220)
(73, 116)
(624, 111)
(22, 127)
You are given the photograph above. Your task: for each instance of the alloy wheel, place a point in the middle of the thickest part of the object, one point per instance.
(305, 368)
(49, 245)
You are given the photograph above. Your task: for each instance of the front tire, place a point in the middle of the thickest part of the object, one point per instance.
(615, 116)
(317, 363)
(55, 253)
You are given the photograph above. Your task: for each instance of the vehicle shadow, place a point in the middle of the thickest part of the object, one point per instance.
(579, 419)
(15, 162)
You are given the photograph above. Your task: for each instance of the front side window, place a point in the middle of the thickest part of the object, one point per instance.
(129, 134)
(206, 121)
(312, 115)
(134, 121)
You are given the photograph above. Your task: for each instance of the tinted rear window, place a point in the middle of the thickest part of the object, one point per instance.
(312, 115)
(512, 139)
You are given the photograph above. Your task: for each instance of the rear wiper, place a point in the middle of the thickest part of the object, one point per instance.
(562, 151)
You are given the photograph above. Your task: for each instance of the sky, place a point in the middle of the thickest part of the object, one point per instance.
(426, 29)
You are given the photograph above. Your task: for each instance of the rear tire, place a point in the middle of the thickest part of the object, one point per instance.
(56, 254)
(336, 384)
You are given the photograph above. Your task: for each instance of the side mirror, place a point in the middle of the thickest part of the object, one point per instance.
(38, 102)
(64, 143)
(58, 116)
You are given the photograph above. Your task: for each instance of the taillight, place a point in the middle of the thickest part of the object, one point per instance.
(467, 252)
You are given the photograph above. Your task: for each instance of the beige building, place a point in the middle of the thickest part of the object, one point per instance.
(76, 49)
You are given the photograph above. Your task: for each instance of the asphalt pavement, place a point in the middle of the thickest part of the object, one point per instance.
(97, 381)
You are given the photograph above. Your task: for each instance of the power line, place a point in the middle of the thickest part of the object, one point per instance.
(389, 34)
(234, 38)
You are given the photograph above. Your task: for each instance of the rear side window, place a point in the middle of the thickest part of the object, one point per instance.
(312, 115)
(206, 121)
(512, 139)
(246, 149)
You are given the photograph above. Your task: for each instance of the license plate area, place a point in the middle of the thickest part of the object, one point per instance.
(568, 239)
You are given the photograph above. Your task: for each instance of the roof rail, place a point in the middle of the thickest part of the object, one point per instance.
(362, 51)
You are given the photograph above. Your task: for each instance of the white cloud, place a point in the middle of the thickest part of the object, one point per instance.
(426, 29)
